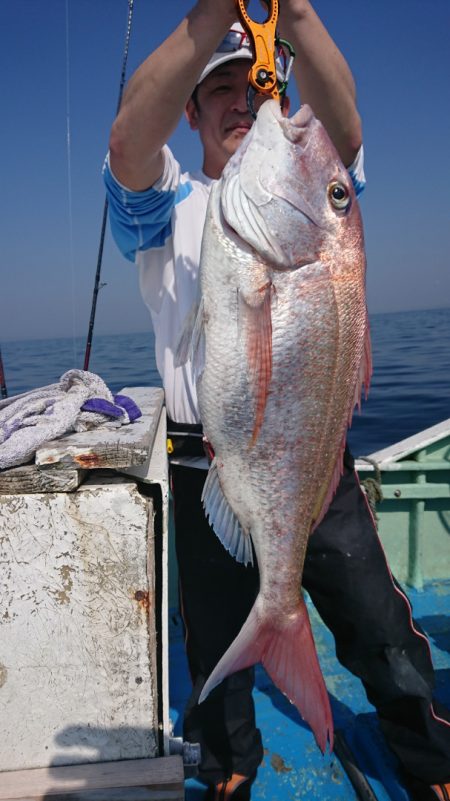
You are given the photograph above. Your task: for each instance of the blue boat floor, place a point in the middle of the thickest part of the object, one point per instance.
(293, 766)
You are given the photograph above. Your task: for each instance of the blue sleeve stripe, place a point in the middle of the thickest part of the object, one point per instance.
(183, 191)
(140, 220)
(359, 185)
(356, 172)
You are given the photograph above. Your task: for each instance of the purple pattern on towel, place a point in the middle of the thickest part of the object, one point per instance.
(102, 406)
(129, 405)
(122, 403)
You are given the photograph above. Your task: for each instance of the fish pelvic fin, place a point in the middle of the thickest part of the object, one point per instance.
(223, 520)
(289, 656)
(258, 321)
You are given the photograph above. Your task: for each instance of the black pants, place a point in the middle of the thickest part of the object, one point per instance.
(350, 584)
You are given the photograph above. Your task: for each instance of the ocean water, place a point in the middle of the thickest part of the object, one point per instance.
(410, 388)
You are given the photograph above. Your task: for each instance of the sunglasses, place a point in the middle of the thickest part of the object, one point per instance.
(233, 41)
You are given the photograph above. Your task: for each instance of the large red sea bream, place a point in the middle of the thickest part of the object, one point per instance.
(286, 353)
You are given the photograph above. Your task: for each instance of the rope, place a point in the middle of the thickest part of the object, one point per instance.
(97, 285)
(372, 486)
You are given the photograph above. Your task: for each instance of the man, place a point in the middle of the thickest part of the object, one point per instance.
(157, 216)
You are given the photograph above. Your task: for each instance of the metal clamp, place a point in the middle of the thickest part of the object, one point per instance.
(263, 74)
(265, 42)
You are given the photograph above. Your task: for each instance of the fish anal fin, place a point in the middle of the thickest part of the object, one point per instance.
(289, 655)
(258, 326)
(223, 520)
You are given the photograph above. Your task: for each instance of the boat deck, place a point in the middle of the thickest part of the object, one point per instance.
(293, 767)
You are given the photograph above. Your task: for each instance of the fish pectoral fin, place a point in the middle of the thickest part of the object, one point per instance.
(223, 520)
(288, 653)
(256, 312)
(188, 344)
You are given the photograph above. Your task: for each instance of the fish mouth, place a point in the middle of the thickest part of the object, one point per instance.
(302, 117)
(298, 128)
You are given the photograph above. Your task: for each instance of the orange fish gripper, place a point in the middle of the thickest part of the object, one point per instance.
(263, 38)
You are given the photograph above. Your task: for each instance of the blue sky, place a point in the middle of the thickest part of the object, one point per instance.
(50, 226)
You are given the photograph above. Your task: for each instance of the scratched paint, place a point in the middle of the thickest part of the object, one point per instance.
(76, 630)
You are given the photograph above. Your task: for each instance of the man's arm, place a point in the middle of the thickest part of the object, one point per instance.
(323, 77)
(156, 95)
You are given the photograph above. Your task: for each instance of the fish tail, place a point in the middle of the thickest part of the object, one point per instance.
(288, 653)
(291, 661)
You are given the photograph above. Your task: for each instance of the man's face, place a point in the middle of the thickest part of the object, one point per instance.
(221, 115)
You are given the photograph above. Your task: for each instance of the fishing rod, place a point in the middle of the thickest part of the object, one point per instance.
(97, 285)
(3, 389)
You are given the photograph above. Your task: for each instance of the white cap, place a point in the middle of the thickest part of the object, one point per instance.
(236, 44)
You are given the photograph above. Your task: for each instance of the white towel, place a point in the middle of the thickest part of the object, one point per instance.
(30, 419)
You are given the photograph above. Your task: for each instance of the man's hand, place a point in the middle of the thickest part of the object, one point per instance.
(157, 93)
(323, 76)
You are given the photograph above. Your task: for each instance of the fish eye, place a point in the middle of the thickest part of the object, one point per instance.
(339, 195)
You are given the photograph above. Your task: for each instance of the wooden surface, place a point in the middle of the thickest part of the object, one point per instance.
(159, 778)
(110, 446)
(28, 478)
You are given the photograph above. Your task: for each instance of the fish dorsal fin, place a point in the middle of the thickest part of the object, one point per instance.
(223, 520)
(365, 372)
(189, 345)
(323, 501)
